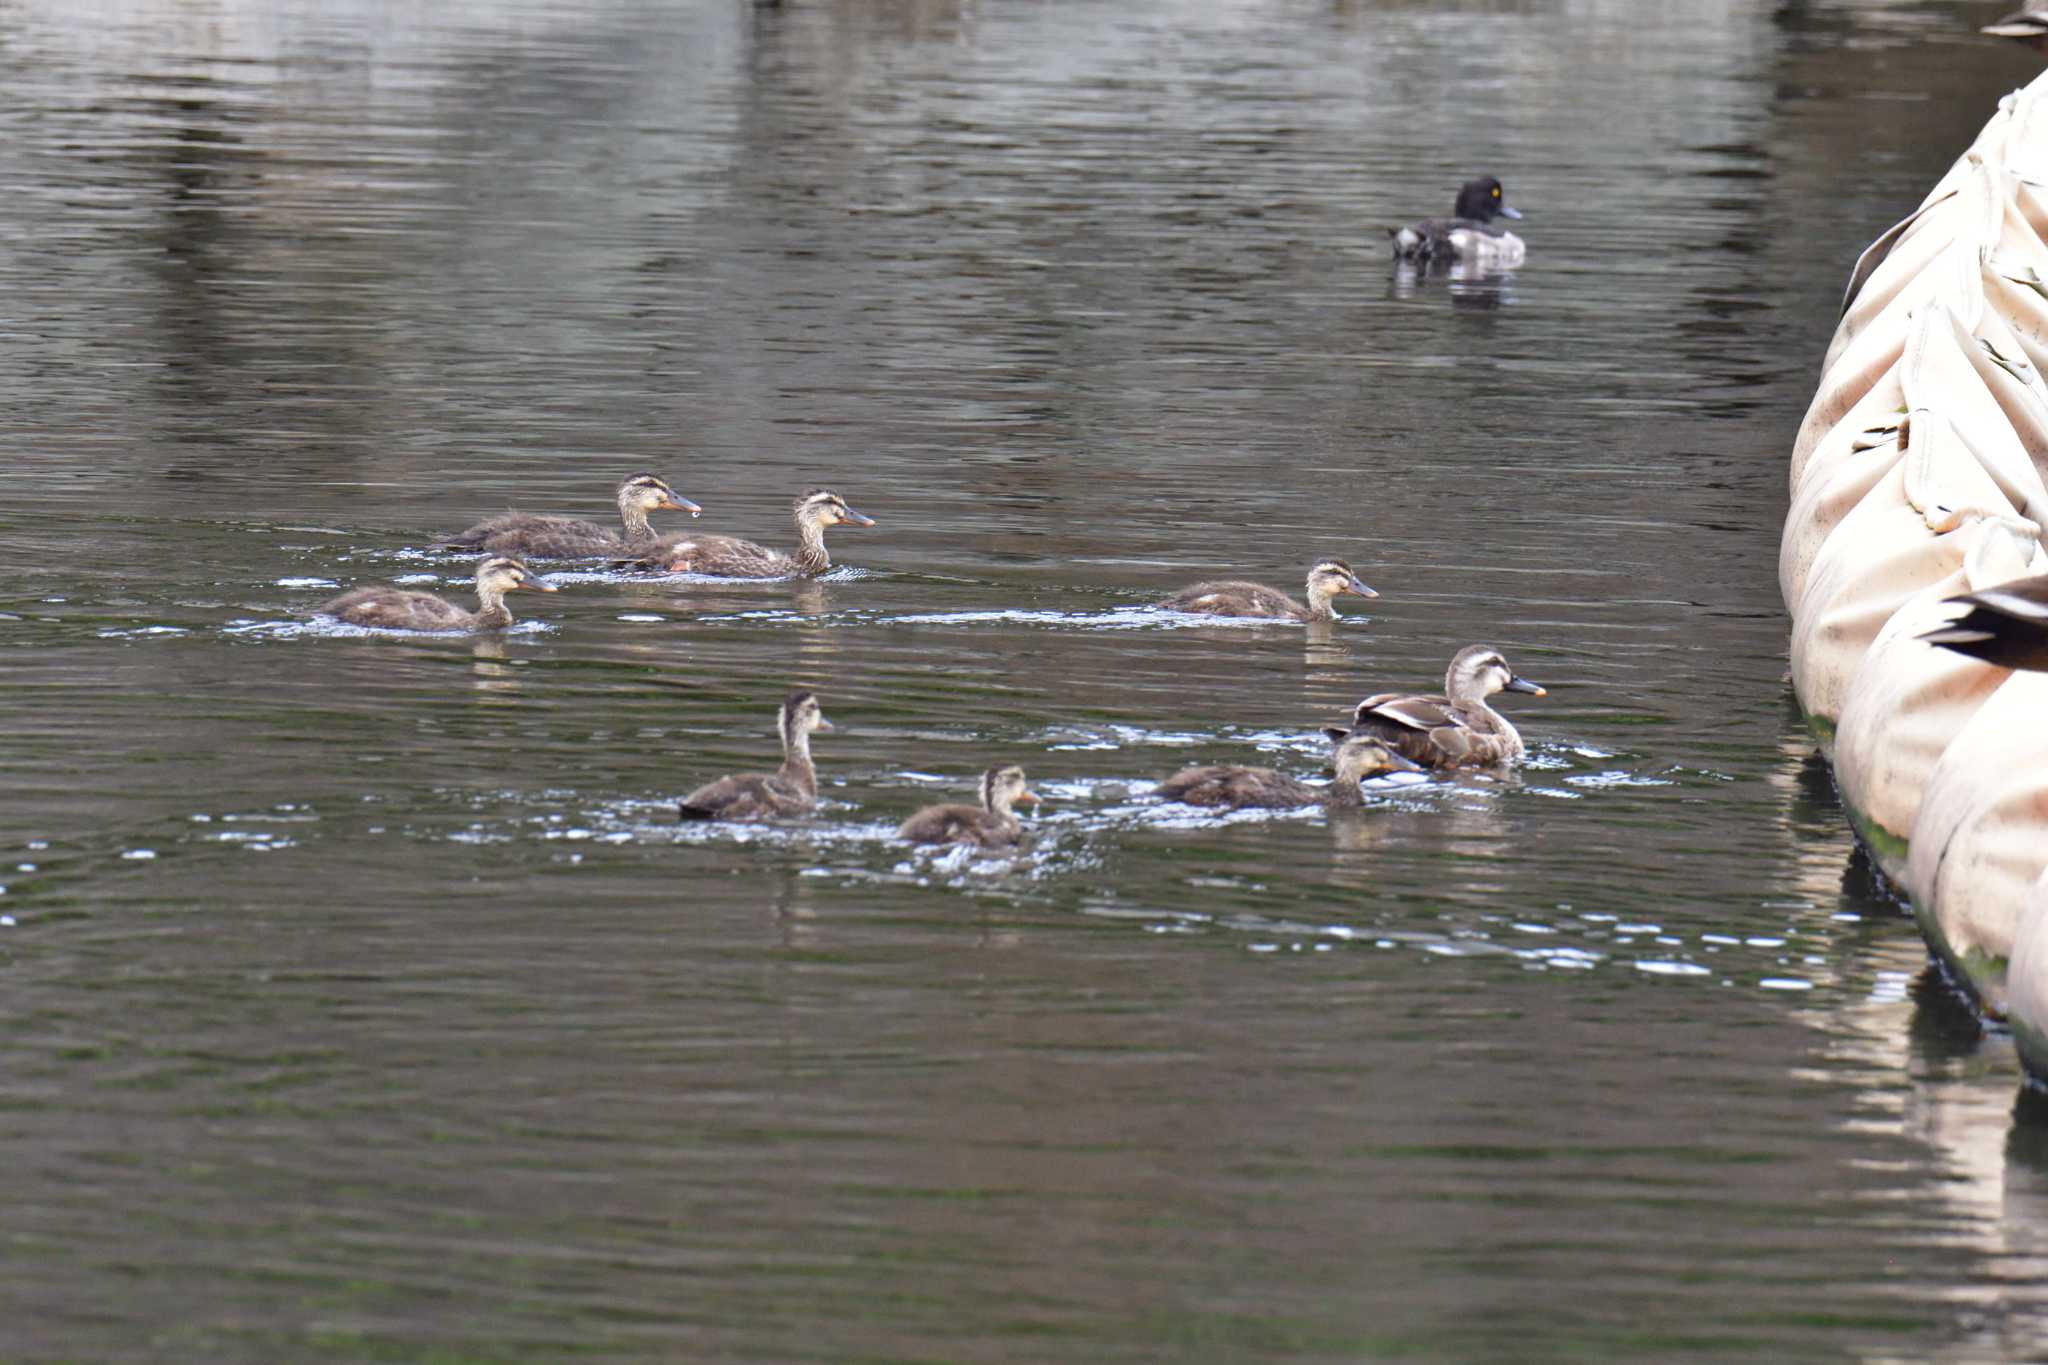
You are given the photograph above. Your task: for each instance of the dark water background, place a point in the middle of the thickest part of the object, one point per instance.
(360, 998)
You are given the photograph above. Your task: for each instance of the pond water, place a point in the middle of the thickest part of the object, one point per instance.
(362, 997)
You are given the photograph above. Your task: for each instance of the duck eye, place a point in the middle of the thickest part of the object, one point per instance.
(1496, 191)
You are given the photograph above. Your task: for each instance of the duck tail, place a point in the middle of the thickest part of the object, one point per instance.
(686, 811)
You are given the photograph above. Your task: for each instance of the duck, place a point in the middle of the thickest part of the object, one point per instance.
(539, 537)
(791, 789)
(731, 557)
(2006, 625)
(1457, 729)
(392, 608)
(1326, 579)
(1229, 787)
(1469, 234)
(992, 824)
(2027, 25)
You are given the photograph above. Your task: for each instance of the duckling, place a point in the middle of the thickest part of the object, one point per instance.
(523, 533)
(992, 824)
(2027, 25)
(1458, 729)
(790, 790)
(730, 557)
(1234, 598)
(1232, 788)
(397, 609)
(2006, 625)
(1468, 235)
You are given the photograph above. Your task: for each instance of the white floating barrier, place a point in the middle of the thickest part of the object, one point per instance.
(1917, 474)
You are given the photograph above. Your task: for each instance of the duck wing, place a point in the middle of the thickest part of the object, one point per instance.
(743, 796)
(2006, 625)
(943, 825)
(396, 609)
(722, 556)
(1234, 598)
(538, 537)
(1231, 787)
(1422, 729)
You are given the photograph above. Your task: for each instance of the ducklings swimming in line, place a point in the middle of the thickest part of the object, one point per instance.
(397, 609)
(1229, 787)
(546, 537)
(1468, 235)
(2006, 625)
(731, 557)
(1457, 729)
(1326, 579)
(992, 824)
(792, 789)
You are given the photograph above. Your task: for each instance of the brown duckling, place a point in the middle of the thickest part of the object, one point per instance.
(1234, 598)
(991, 824)
(397, 609)
(731, 557)
(1233, 788)
(1458, 729)
(523, 533)
(2006, 625)
(790, 790)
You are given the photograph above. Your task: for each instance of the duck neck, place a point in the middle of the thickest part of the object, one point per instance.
(797, 768)
(997, 801)
(492, 611)
(810, 546)
(1319, 608)
(1343, 789)
(635, 517)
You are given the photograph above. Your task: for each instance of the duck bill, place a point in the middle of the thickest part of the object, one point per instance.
(678, 503)
(1028, 797)
(535, 585)
(1400, 763)
(1506, 212)
(824, 724)
(854, 518)
(1524, 685)
(1358, 586)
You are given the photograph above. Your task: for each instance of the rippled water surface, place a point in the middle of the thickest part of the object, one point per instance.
(362, 997)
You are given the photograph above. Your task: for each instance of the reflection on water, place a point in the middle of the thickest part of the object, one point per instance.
(369, 999)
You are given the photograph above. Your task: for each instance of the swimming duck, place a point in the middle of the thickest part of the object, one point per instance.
(791, 789)
(1233, 788)
(2006, 625)
(523, 533)
(1458, 729)
(397, 609)
(1469, 235)
(1233, 598)
(991, 824)
(730, 557)
(2028, 25)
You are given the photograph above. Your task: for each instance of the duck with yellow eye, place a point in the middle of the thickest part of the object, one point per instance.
(1326, 579)
(1468, 235)
(991, 824)
(1228, 787)
(548, 537)
(391, 608)
(1457, 729)
(731, 557)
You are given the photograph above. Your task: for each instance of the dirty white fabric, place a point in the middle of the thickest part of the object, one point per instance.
(1917, 474)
